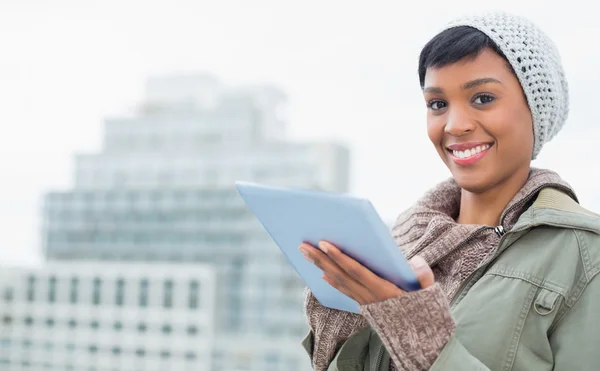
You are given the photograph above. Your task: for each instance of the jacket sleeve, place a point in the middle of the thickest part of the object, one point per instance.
(574, 341)
(415, 327)
(417, 330)
(329, 329)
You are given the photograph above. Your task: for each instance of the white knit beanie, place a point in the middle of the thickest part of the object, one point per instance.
(537, 63)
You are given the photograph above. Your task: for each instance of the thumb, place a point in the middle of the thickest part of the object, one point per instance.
(422, 271)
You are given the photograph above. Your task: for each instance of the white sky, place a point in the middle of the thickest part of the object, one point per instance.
(349, 69)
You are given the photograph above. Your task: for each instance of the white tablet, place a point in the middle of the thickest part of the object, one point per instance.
(292, 216)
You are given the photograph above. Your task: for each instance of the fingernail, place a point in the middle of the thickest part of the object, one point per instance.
(304, 252)
(417, 262)
(323, 246)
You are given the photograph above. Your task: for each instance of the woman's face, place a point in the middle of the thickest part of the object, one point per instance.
(479, 121)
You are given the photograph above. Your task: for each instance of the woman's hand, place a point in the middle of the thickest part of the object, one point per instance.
(353, 279)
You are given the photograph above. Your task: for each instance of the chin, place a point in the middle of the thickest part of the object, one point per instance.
(474, 181)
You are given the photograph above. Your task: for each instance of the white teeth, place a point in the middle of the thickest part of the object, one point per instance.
(470, 152)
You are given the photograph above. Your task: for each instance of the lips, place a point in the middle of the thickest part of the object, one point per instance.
(468, 153)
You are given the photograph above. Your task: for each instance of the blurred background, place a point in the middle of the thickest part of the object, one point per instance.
(123, 244)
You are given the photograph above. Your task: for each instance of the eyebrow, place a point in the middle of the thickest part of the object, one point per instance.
(466, 86)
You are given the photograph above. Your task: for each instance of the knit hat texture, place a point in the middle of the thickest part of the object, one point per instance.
(537, 64)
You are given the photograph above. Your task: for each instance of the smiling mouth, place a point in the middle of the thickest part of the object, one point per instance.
(468, 153)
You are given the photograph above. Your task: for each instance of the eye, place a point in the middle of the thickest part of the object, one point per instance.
(483, 99)
(436, 105)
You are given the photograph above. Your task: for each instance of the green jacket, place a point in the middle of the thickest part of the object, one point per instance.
(534, 305)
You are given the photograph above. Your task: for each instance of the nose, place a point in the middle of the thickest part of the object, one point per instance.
(459, 122)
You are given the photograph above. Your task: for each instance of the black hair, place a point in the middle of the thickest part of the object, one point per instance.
(453, 45)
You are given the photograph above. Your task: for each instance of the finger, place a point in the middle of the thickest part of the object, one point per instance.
(354, 269)
(352, 289)
(319, 259)
(336, 284)
(336, 276)
(422, 271)
(371, 287)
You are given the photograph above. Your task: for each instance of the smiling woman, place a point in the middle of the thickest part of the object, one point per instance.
(506, 257)
(481, 125)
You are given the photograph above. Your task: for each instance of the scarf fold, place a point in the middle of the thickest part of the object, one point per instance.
(454, 251)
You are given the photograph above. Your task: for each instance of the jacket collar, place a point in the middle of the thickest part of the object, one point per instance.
(554, 207)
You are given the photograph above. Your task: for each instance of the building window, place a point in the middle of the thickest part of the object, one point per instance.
(50, 322)
(116, 351)
(144, 293)
(95, 325)
(52, 289)
(120, 294)
(31, 288)
(194, 294)
(167, 329)
(8, 295)
(142, 327)
(168, 294)
(165, 354)
(140, 352)
(190, 356)
(7, 320)
(118, 326)
(72, 323)
(26, 344)
(93, 349)
(97, 291)
(28, 321)
(192, 330)
(74, 289)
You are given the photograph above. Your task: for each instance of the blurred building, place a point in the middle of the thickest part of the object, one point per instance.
(98, 316)
(161, 190)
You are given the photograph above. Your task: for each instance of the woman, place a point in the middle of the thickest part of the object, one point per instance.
(506, 257)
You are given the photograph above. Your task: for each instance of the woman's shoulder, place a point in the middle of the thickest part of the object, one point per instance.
(556, 208)
(563, 234)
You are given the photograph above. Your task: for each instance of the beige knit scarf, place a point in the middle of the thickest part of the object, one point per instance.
(454, 251)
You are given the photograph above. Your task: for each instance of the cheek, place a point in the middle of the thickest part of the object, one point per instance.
(514, 131)
(435, 129)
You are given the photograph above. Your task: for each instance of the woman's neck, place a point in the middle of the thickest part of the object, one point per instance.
(486, 208)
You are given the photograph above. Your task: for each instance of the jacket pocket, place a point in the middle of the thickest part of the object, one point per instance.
(503, 320)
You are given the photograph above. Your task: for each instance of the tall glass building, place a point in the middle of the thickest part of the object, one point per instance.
(161, 190)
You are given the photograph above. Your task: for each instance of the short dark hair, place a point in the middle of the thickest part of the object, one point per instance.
(453, 45)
